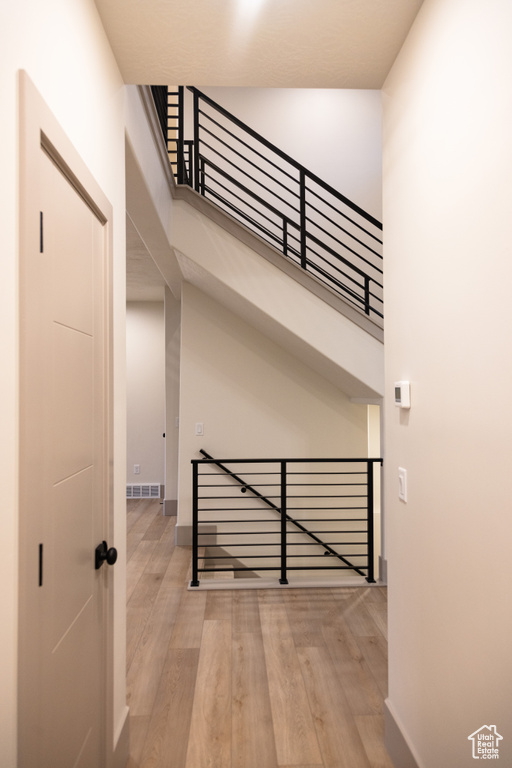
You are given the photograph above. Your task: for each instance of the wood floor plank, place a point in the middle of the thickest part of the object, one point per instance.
(144, 673)
(132, 542)
(137, 564)
(219, 605)
(294, 730)
(345, 593)
(269, 596)
(140, 526)
(138, 611)
(379, 614)
(253, 744)
(209, 744)
(246, 612)
(167, 735)
(188, 627)
(157, 527)
(371, 730)
(135, 508)
(305, 618)
(374, 650)
(132, 515)
(176, 574)
(354, 610)
(163, 549)
(338, 736)
(376, 595)
(354, 674)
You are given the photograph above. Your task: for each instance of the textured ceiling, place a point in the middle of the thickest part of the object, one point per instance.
(266, 43)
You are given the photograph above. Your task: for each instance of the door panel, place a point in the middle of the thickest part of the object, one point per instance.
(65, 606)
(72, 404)
(71, 580)
(70, 238)
(71, 597)
(70, 694)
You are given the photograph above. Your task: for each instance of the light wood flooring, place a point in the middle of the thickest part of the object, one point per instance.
(248, 678)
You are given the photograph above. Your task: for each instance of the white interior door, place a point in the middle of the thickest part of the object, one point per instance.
(64, 472)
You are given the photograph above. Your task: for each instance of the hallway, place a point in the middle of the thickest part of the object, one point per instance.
(247, 678)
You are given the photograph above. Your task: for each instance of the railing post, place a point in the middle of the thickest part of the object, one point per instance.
(201, 177)
(196, 141)
(367, 294)
(180, 145)
(283, 579)
(195, 508)
(303, 243)
(285, 236)
(369, 490)
(188, 145)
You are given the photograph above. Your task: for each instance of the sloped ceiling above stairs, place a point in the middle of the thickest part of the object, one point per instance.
(265, 43)
(144, 282)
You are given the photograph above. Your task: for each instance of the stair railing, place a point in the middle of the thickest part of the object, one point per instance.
(246, 487)
(332, 505)
(284, 203)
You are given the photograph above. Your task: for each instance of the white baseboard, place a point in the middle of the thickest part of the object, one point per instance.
(122, 746)
(170, 507)
(183, 536)
(396, 742)
(383, 570)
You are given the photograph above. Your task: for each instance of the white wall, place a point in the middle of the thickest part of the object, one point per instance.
(254, 398)
(62, 47)
(333, 133)
(145, 391)
(447, 203)
(172, 397)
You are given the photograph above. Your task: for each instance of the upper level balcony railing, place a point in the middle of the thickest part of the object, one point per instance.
(266, 190)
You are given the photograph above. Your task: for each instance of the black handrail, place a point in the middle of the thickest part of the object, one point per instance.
(335, 514)
(284, 203)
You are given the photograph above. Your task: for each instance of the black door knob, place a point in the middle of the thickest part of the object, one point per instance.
(102, 553)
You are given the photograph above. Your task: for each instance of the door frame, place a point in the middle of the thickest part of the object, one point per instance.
(38, 129)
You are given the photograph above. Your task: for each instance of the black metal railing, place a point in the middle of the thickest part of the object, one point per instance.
(160, 95)
(291, 208)
(283, 515)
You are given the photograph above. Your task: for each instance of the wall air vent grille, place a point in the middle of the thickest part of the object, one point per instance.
(144, 491)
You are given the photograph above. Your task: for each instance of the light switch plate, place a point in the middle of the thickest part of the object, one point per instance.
(402, 484)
